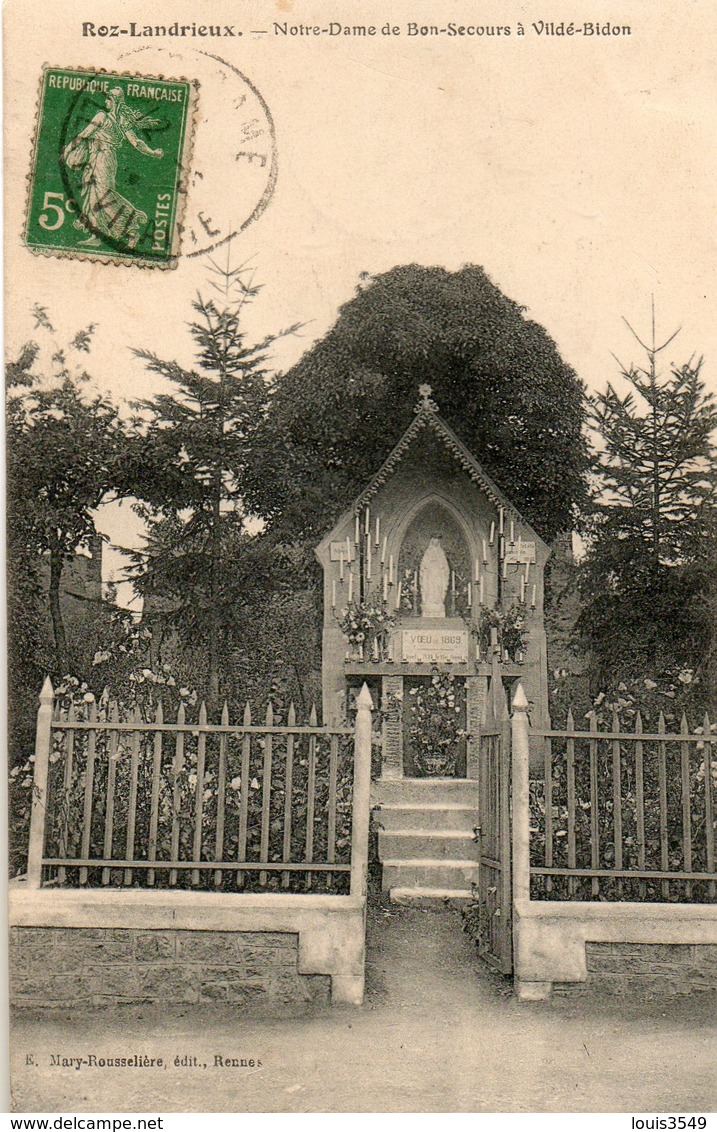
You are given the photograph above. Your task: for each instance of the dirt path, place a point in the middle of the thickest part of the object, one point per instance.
(437, 1033)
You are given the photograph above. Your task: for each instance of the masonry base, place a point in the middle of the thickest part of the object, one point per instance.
(111, 947)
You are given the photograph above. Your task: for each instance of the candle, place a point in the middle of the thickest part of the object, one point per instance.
(385, 587)
(357, 535)
(390, 570)
(351, 586)
(375, 649)
(505, 569)
(501, 517)
(512, 532)
(348, 548)
(492, 534)
(333, 594)
(485, 553)
(522, 589)
(398, 596)
(453, 582)
(470, 596)
(341, 564)
(368, 559)
(481, 591)
(383, 552)
(368, 521)
(534, 590)
(476, 572)
(378, 532)
(527, 572)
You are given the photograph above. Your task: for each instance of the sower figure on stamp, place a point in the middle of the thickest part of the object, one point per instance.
(94, 150)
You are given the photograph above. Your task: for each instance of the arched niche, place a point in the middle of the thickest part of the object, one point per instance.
(433, 518)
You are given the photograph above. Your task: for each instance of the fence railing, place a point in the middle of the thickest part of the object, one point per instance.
(625, 815)
(123, 801)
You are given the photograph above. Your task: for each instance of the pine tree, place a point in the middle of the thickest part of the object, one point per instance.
(648, 577)
(194, 454)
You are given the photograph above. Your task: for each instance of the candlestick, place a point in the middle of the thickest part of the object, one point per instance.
(534, 591)
(512, 532)
(368, 558)
(383, 552)
(385, 587)
(357, 535)
(398, 595)
(485, 553)
(492, 534)
(351, 586)
(522, 589)
(501, 518)
(476, 572)
(390, 570)
(341, 564)
(470, 596)
(348, 549)
(481, 591)
(333, 594)
(368, 522)
(378, 532)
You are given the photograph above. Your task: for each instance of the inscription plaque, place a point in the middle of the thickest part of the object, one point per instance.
(441, 646)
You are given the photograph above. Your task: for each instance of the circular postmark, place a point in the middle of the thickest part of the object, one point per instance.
(233, 166)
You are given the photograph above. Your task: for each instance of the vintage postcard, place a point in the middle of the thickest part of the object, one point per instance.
(361, 530)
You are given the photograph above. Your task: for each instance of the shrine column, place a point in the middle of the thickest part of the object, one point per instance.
(476, 706)
(392, 730)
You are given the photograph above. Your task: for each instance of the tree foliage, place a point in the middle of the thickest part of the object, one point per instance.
(62, 446)
(648, 578)
(194, 450)
(497, 377)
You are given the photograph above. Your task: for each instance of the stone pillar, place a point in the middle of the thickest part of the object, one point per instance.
(476, 706)
(392, 729)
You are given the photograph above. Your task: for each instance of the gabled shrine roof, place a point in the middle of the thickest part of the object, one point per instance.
(427, 418)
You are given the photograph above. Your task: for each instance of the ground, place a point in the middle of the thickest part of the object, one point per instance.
(437, 1033)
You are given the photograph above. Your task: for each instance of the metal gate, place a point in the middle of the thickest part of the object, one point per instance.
(494, 882)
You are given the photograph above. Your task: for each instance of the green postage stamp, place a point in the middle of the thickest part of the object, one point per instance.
(109, 166)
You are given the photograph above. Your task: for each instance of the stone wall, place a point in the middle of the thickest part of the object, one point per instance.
(63, 967)
(646, 969)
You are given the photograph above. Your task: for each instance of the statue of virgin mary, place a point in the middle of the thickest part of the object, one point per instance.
(434, 575)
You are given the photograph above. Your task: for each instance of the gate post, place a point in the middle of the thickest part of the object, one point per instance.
(43, 733)
(361, 794)
(525, 989)
(520, 742)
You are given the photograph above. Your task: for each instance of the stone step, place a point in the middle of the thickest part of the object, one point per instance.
(429, 873)
(433, 899)
(432, 791)
(421, 844)
(430, 816)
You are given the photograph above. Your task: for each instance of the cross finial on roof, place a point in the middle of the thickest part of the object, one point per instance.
(424, 392)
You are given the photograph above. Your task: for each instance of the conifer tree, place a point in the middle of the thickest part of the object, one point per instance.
(193, 454)
(649, 574)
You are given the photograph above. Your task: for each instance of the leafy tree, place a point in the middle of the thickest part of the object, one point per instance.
(194, 451)
(648, 578)
(62, 446)
(497, 377)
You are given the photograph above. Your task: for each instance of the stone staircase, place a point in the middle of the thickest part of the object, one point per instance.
(426, 842)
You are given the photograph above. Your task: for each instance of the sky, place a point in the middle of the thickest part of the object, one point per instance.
(579, 172)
